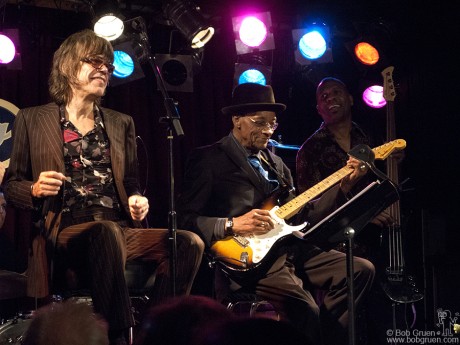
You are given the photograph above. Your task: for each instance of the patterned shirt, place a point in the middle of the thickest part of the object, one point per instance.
(320, 156)
(89, 178)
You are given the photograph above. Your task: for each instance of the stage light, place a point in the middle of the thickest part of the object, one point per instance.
(251, 73)
(312, 44)
(9, 49)
(373, 47)
(126, 62)
(373, 96)
(108, 22)
(253, 33)
(366, 53)
(177, 71)
(189, 21)
(128, 53)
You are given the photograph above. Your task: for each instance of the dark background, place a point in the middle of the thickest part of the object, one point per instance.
(419, 39)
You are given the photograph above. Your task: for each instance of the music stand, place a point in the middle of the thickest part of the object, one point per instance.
(350, 219)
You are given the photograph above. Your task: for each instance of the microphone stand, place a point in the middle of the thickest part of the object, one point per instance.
(173, 127)
(349, 234)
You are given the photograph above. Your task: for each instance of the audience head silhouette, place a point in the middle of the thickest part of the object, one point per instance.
(66, 323)
(179, 320)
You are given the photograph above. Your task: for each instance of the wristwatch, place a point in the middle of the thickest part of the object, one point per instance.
(229, 227)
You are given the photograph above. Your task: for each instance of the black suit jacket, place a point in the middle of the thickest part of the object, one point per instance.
(219, 182)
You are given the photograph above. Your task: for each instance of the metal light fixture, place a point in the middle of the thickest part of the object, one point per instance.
(373, 47)
(312, 44)
(253, 33)
(108, 22)
(189, 21)
(128, 53)
(177, 71)
(126, 62)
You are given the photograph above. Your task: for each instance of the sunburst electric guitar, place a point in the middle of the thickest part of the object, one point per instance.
(244, 254)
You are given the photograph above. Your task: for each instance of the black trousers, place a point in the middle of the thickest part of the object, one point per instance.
(311, 292)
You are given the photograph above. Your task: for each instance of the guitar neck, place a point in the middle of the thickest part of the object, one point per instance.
(391, 164)
(292, 207)
(382, 152)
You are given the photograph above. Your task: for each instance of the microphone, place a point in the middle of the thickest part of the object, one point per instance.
(276, 144)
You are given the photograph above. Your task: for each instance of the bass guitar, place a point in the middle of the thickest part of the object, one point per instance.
(243, 255)
(399, 286)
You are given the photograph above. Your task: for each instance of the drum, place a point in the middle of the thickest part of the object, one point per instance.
(12, 332)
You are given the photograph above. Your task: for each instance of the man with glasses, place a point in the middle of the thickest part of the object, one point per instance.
(222, 193)
(74, 164)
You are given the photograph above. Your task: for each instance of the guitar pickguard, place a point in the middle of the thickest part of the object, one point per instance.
(242, 251)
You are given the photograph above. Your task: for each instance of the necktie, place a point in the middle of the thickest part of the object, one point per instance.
(255, 162)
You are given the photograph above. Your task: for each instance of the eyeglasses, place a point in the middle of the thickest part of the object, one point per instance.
(264, 125)
(97, 63)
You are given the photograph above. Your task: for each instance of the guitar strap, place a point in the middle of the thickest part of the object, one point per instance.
(281, 179)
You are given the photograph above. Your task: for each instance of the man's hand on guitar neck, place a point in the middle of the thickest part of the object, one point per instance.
(256, 221)
(359, 170)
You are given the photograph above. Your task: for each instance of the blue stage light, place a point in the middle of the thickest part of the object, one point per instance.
(124, 64)
(252, 76)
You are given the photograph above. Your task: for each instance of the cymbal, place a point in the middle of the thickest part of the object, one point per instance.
(277, 145)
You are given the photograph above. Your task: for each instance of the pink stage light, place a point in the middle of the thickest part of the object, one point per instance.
(253, 31)
(7, 49)
(373, 96)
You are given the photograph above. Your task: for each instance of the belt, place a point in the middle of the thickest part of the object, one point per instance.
(90, 214)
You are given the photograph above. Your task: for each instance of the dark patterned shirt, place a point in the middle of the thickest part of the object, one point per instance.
(88, 167)
(320, 156)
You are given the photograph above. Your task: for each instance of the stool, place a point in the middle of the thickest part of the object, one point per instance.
(140, 279)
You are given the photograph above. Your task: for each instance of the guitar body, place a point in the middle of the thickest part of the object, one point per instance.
(396, 282)
(402, 289)
(245, 258)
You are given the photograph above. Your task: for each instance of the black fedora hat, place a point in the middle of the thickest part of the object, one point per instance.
(251, 97)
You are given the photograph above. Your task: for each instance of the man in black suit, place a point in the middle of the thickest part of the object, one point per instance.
(222, 197)
(74, 163)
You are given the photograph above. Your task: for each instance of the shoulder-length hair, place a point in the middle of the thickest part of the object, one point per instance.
(67, 62)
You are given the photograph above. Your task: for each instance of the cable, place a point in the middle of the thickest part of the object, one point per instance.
(147, 165)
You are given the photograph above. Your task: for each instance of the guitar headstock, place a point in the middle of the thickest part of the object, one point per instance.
(383, 151)
(389, 92)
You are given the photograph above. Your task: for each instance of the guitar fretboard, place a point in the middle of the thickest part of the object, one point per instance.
(292, 207)
(289, 209)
